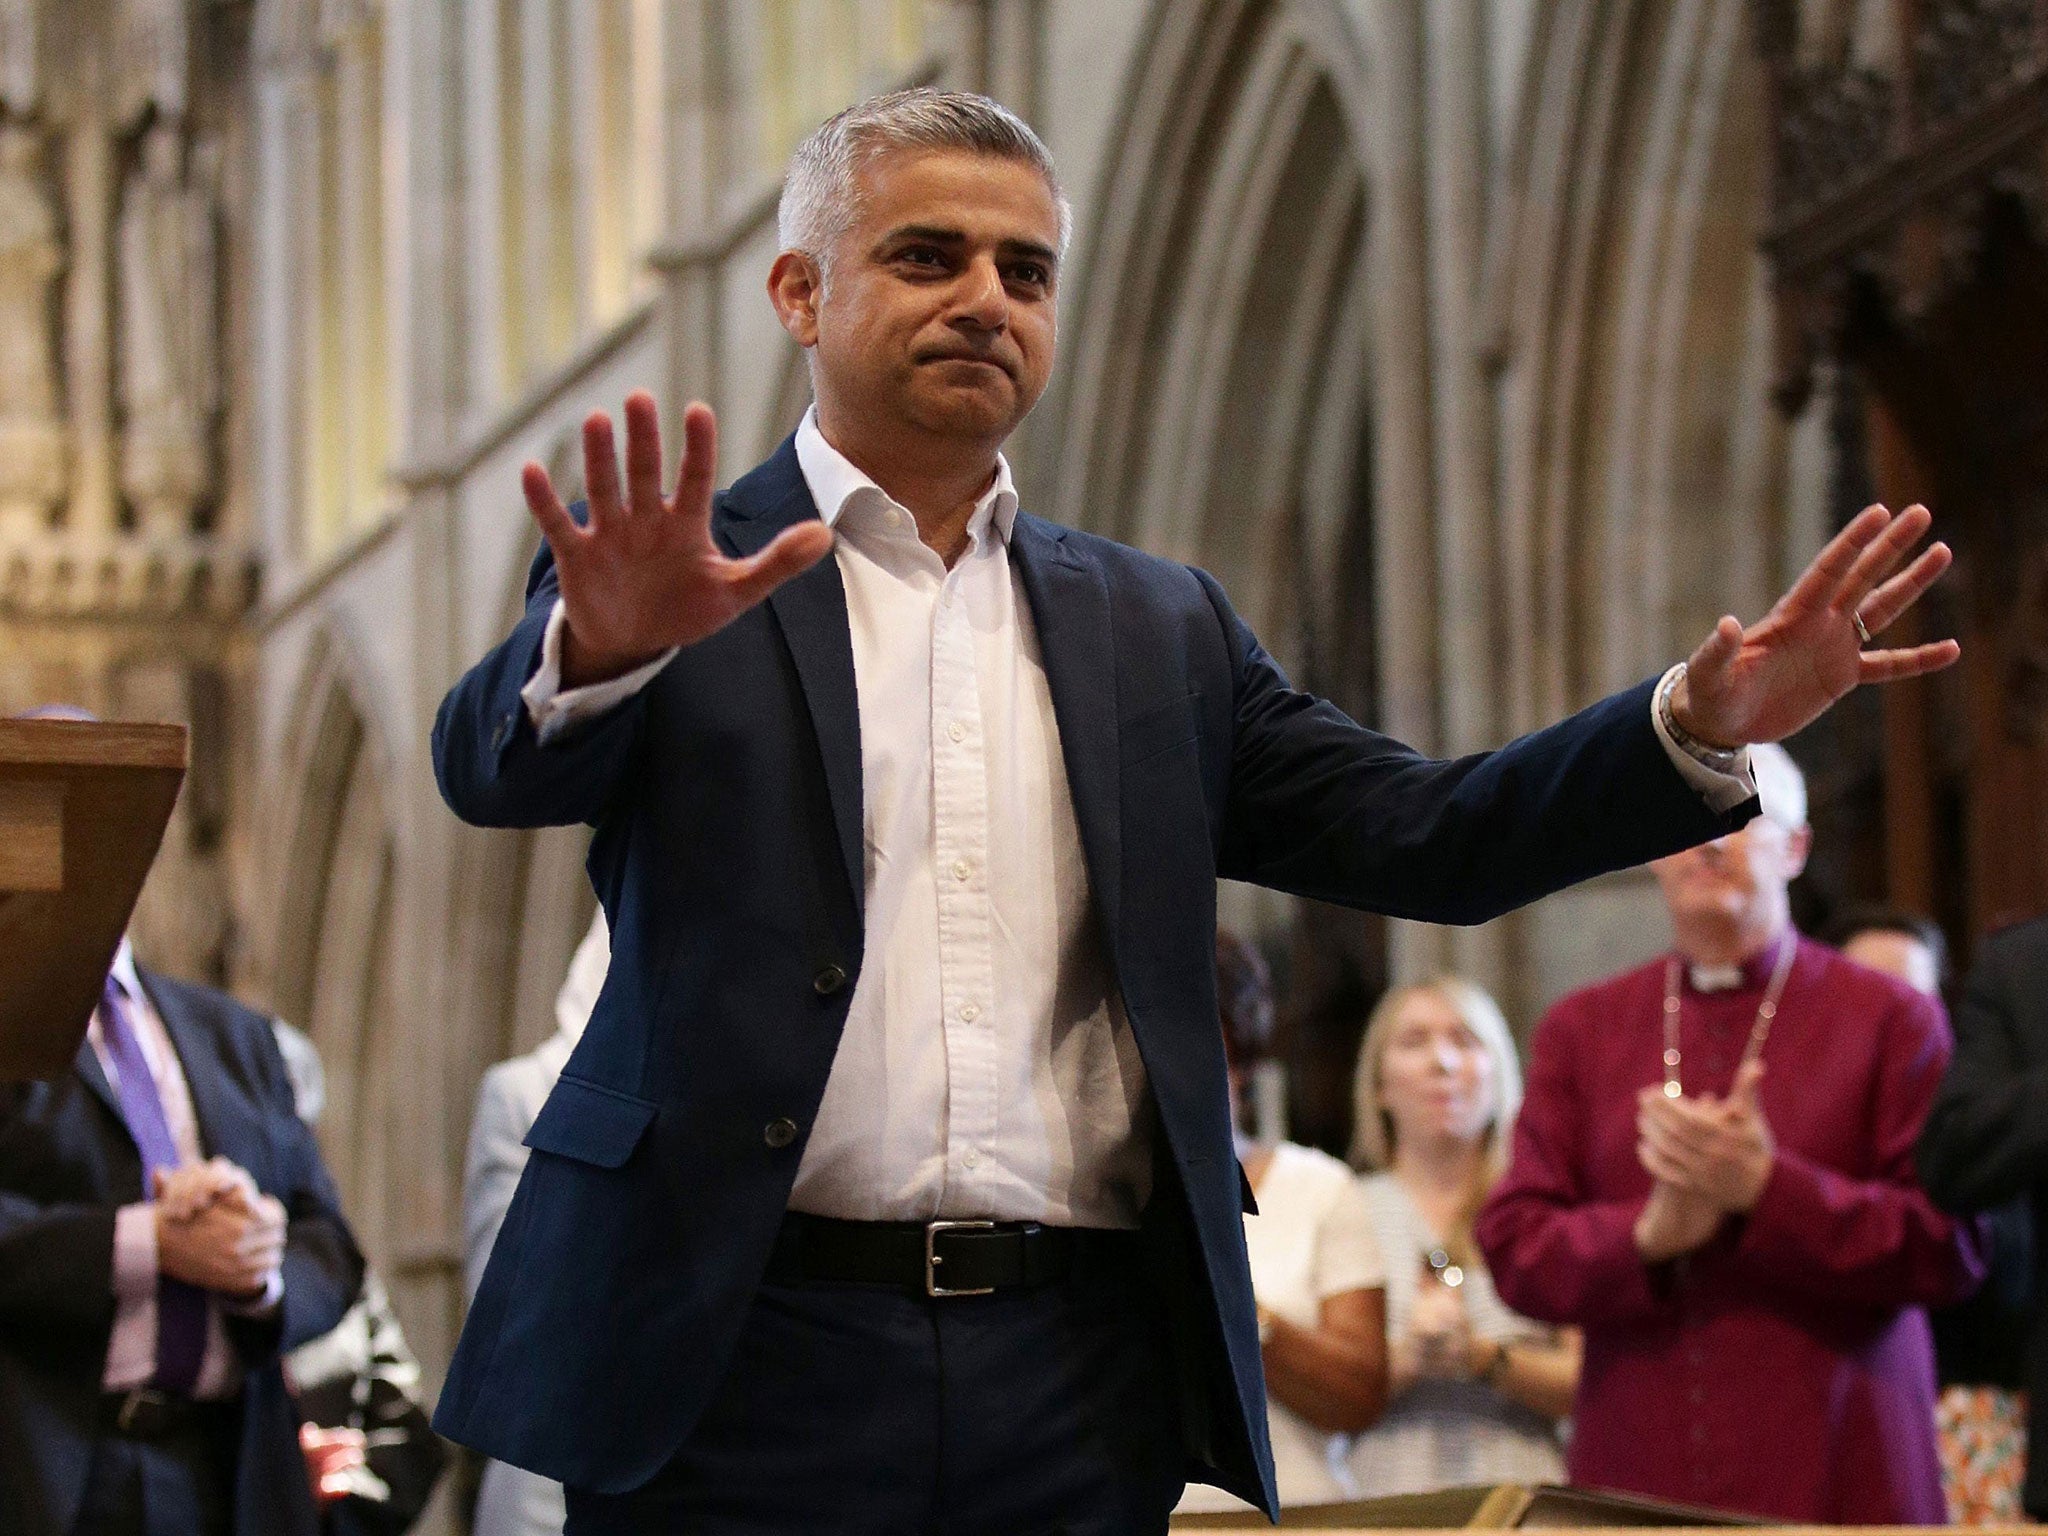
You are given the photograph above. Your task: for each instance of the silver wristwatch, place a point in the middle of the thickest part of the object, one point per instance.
(1719, 759)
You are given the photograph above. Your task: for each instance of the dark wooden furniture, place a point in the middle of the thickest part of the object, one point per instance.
(83, 808)
(1908, 235)
(1500, 1507)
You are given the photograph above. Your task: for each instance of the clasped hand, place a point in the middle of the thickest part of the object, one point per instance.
(1711, 1158)
(216, 1230)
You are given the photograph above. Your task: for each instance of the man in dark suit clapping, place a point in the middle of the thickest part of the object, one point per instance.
(166, 1230)
(892, 1187)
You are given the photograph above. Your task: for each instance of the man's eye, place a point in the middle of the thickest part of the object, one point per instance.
(922, 256)
(1031, 273)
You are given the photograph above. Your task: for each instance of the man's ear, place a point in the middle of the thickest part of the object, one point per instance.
(795, 286)
(1797, 846)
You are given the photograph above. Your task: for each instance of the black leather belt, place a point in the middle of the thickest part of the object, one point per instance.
(937, 1258)
(147, 1414)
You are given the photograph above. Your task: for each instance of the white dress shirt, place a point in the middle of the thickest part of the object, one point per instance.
(986, 1068)
(131, 1346)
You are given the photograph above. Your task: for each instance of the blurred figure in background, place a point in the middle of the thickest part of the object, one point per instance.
(1898, 943)
(1986, 1144)
(1750, 1256)
(511, 1501)
(167, 1230)
(371, 1454)
(1476, 1390)
(1980, 1345)
(1316, 1272)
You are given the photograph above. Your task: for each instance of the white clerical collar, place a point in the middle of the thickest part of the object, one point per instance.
(1750, 973)
(834, 480)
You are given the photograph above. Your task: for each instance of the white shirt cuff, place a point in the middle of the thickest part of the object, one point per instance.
(1722, 791)
(555, 709)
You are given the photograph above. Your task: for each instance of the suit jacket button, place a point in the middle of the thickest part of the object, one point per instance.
(780, 1133)
(828, 981)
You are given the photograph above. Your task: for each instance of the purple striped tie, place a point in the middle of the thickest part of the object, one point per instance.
(180, 1306)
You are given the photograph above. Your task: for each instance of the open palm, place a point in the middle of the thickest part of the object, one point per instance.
(1767, 681)
(643, 575)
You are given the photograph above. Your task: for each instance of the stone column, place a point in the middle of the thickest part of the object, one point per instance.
(32, 467)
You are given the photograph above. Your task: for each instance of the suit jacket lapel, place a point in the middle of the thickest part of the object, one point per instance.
(1070, 610)
(811, 611)
(87, 1065)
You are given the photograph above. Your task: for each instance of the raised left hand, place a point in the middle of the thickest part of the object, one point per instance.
(1765, 682)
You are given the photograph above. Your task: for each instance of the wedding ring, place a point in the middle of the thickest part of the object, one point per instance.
(1862, 633)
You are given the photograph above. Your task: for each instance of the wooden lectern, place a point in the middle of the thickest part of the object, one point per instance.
(1503, 1506)
(1510, 1506)
(83, 806)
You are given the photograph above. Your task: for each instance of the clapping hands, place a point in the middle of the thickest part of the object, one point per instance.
(1711, 1158)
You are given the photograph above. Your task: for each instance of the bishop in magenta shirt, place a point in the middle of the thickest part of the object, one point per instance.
(1785, 1369)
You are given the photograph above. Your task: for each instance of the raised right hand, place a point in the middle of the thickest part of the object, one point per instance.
(644, 574)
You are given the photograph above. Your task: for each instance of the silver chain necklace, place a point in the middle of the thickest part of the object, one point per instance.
(1759, 1032)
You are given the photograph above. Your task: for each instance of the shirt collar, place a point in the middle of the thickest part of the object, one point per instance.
(1750, 976)
(123, 970)
(834, 481)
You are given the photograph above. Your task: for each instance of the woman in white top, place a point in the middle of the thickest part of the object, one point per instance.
(1476, 1392)
(1316, 1272)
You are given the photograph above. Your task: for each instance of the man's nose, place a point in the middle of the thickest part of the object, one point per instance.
(983, 303)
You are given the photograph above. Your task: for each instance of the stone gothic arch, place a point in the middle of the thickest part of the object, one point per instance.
(1646, 481)
(1217, 409)
(1644, 486)
(332, 944)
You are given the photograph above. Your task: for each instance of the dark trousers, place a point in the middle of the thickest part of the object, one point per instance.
(177, 1484)
(1042, 1411)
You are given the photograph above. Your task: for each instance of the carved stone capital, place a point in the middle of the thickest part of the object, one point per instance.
(54, 575)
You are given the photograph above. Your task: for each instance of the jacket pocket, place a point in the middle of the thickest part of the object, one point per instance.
(590, 1123)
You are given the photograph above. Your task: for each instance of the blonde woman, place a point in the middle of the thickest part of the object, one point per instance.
(1476, 1392)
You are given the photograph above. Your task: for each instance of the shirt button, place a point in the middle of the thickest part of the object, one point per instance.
(893, 518)
(957, 731)
(828, 981)
(972, 1159)
(779, 1133)
(962, 869)
(969, 1013)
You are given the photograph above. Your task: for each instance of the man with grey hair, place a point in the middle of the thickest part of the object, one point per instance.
(1712, 1175)
(891, 1187)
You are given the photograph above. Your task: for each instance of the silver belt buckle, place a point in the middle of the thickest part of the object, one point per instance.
(932, 1261)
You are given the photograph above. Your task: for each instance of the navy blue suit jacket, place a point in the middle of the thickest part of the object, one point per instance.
(726, 799)
(67, 1163)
